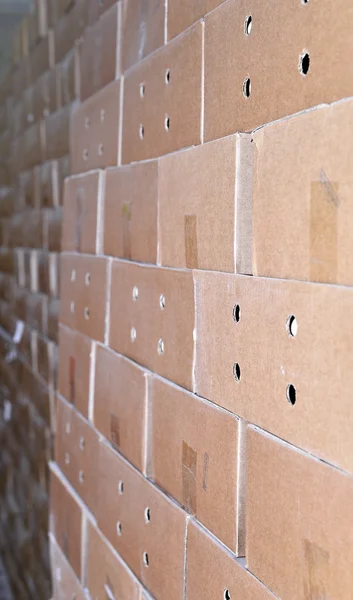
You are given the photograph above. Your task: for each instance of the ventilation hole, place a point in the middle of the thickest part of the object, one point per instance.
(304, 63)
(68, 427)
(85, 154)
(72, 307)
(247, 87)
(67, 458)
(146, 559)
(248, 25)
(167, 76)
(100, 150)
(86, 311)
(227, 595)
(160, 347)
(102, 115)
(236, 313)
(142, 90)
(81, 476)
(142, 132)
(147, 515)
(305, 1)
(162, 301)
(87, 123)
(73, 275)
(82, 443)
(88, 278)
(292, 326)
(121, 487)
(236, 372)
(119, 528)
(167, 123)
(135, 293)
(133, 334)
(291, 394)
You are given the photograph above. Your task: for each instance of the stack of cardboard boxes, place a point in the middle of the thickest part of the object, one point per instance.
(203, 412)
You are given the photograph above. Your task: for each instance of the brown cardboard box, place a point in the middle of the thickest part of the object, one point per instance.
(42, 57)
(299, 521)
(107, 575)
(99, 53)
(130, 212)
(20, 79)
(76, 354)
(83, 199)
(34, 145)
(241, 72)
(120, 404)
(57, 133)
(152, 318)
(53, 318)
(205, 208)
(52, 221)
(217, 574)
(95, 130)
(69, 27)
(44, 95)
(49, 185)
(77, 451)
(266, 351)
(302, 199)
(46, 352)
(68, 79)
(196, 456)
(142, 30)
(142, 524)
(57, 8)
(183, 13)
(96, 8)
(162, 100)
(65, 519)
(83, 292)
(65, 582)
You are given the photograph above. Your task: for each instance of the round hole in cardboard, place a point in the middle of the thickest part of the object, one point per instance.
(248, 25)
(100, 150)
(133, 334)
(142, 132)
(167, 76)
(247, 87)
(121, 487)
(82, 443)
(236, 371)
(291, 394)
(88, 278)
(73, 275)
(162, 301)
(292, 326)
(142, 90)
(304, 63)
(236, 313)
(167, 123)
(86, 312)
(85, 154)
(119, 528)
(147, 515)
(81, 476)
(135, 293)
(160, 347)
(72, 307)
(226, 595)
(146, 560)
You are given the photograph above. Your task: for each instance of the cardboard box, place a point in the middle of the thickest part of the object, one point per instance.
(57, 133)
(65, 582)
(263, 353)
(57, 8)
(130, 212)
(76, 359)
(107, 574)
(49, 185)
(77, 452)
(95, 130)
(120, 404)
(204, 217)
(53, 318)
(44, 273)
(218, 574)
(143, 525)
(83, 199)
(304, 233)
(65, 519)
(84, 293)
(46, 352)
(68, 79)
(52, 221)
(142, 30)
(69, 27)
(196, 452)
(182, 14)
(299, 532)
(99, 53)
(241, 72)
(42, 57)
(34, 145)
(97, 8)
(152, 318)
(44, 95)
(162, 100)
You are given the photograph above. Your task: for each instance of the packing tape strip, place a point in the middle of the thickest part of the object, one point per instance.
(190, 237)
(189, 482)
(324, 205)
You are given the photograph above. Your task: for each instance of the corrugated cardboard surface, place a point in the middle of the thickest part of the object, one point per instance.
(205, 300)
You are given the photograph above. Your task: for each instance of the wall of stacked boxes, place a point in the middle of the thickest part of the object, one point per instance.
(202, 410)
